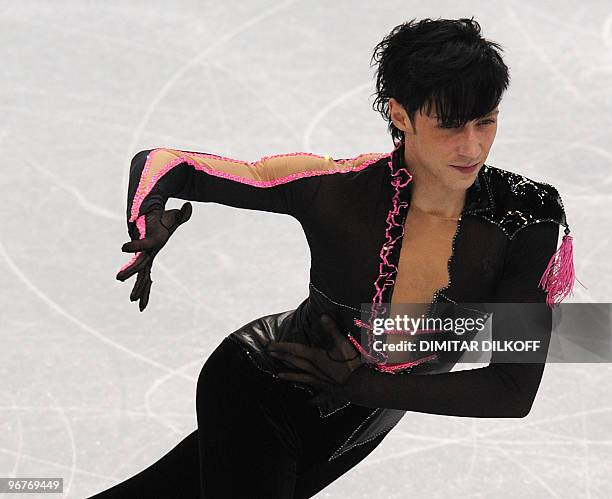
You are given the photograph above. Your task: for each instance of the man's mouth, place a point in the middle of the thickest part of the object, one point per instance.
(466, 169)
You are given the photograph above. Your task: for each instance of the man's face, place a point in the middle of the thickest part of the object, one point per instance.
(432, 150)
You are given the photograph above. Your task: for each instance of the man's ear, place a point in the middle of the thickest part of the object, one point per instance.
(399, 116)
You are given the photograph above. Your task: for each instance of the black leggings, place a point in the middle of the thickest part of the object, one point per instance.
(257, 438)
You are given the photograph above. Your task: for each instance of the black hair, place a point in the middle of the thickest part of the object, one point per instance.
(443, 63)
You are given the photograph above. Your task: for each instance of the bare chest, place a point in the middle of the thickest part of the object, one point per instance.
(424, 256)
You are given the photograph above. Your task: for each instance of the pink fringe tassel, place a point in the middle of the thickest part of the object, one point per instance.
(558, 278)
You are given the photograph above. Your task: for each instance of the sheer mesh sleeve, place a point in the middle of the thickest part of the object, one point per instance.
(283, 183)
(499, 389)
(278, 184)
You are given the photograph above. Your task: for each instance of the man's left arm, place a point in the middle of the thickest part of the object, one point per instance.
(498, 390)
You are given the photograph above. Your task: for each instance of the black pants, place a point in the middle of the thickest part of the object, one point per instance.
(257, 438)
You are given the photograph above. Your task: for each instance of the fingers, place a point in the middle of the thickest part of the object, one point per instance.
(141, 280)
(171, 219)
(293, 348)
(142, 288)
(137, 290)
(149, 247)
(138, 264)
(140, 245)
(185, 213)
(301, 363)
(144, 301)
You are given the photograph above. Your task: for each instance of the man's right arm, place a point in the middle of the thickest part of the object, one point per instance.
(284, 183)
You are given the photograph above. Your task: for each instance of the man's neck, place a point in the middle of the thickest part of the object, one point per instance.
(433, 197)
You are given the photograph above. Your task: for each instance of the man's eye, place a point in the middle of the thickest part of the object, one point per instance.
(485, 122)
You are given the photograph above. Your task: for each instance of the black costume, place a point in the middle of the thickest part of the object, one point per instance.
(353, 213)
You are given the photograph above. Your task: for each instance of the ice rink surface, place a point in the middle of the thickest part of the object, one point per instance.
(94, 391)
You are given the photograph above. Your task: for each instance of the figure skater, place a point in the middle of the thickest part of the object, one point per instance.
(289, 402)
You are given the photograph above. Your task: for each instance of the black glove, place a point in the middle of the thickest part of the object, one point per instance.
(160, 225)
(326, 370)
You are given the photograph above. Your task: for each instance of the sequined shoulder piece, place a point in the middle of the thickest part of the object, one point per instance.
(521, 201)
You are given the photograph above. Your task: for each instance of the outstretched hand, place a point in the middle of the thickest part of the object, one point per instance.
(160, 225)
(325, 370)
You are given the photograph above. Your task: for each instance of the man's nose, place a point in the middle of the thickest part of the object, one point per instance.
(470, 145)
